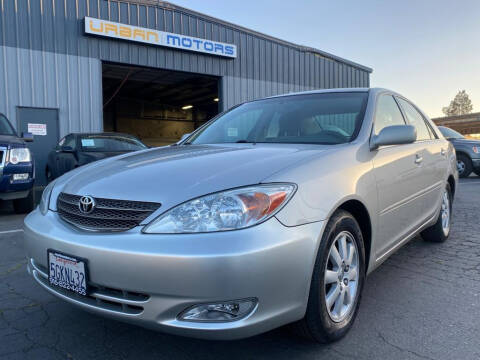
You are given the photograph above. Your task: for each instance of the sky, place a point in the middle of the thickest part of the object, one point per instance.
(427, 50)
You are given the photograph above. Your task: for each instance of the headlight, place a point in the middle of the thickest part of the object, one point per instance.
(226, 210)
(18, 155)
(45, 200)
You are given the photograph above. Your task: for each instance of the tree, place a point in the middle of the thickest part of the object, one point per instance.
(460, 105)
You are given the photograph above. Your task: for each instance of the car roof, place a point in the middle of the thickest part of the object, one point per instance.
(337, 90)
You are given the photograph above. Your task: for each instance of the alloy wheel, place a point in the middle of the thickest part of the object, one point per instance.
(341, 276)
(460, 167)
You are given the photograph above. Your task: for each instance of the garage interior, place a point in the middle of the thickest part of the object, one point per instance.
(158, 106)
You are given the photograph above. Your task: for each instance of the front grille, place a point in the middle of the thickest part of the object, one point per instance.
(108, 214)
(105, 298)
(3, 152)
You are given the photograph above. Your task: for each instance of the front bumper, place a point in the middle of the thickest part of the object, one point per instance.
(476, 164)
(10, 189)
(149, 279)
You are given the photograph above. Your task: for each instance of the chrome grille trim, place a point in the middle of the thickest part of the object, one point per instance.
(108, 215)
(113, 300)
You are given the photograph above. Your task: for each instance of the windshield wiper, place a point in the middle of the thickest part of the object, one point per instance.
(244, 142)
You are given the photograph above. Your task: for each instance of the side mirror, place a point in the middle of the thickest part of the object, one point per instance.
(394, 135)
(67, 149)
(184, 136)
(26, 136)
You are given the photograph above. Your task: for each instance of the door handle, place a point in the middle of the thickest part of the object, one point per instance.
(418, 159)
(443, 152)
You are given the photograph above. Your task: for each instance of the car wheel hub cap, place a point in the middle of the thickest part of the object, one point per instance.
(460, 166)
(445, 213)
(341, 276)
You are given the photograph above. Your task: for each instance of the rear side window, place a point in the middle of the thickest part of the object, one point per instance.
(387, 113)
(415, 119)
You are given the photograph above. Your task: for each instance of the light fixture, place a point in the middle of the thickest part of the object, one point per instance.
(216, 99)
(186, 107)
(219, 312)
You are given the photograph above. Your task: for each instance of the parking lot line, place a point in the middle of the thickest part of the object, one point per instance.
(11, 231)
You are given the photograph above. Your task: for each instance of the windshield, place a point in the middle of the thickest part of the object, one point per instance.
(326, 118)
(5, 126)
(102, 143)
(449, 133)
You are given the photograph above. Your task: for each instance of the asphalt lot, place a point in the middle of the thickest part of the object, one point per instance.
(422, 303)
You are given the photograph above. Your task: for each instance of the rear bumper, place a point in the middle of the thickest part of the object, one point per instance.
(150, 279)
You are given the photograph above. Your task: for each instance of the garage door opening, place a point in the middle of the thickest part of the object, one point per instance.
(157, 106)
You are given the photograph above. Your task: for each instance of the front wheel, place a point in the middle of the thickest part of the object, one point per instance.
(464, 166)
(48, 175)
(440, 231)
(337, 281)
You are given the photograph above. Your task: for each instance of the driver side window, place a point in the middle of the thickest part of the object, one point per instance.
(387, 113)
(68, 140)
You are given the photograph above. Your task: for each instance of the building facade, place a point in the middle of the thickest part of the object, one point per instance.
(94, 65)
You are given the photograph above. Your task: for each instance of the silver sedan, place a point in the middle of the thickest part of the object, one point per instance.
(272, 213)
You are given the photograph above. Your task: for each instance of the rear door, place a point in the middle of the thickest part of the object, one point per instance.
(43, 123)
(433, 159)
(398, 176)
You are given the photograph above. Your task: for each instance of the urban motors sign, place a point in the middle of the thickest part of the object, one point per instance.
(161, 38)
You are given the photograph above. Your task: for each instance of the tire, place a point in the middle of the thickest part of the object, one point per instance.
(319, 323)
(438, 232)
(464, 166)
(48, 175)
(24, 205)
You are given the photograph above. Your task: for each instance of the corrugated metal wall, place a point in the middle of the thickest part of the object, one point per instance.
(47, 61)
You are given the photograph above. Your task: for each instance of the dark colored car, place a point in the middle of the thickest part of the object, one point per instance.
(16, 168)
(468, 152)
(75, 150)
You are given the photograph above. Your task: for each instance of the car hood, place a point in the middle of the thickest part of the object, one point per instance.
(173, 174)
(6, 140)
(465, 142)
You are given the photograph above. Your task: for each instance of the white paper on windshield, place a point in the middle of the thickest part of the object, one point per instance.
(88, 142)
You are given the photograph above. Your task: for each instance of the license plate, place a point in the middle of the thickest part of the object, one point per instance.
(67, 272)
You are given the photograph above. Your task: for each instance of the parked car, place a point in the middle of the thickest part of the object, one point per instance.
(468, 152)
(17, 170)
(272, 213)
(75, 150)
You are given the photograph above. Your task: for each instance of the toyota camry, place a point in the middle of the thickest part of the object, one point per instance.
(272, 213)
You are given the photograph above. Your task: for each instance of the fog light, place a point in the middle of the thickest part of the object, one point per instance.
(219, 312)
(17, 177)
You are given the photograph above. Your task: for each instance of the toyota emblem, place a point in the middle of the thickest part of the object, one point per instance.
(86, 204)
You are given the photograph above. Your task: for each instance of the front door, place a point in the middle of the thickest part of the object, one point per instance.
(398, 174)
(400, 187)
(43, 123)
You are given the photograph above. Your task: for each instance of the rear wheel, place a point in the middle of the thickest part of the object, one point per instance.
(24, 205)
(464, 165)
(337, 281)
(440, 231)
